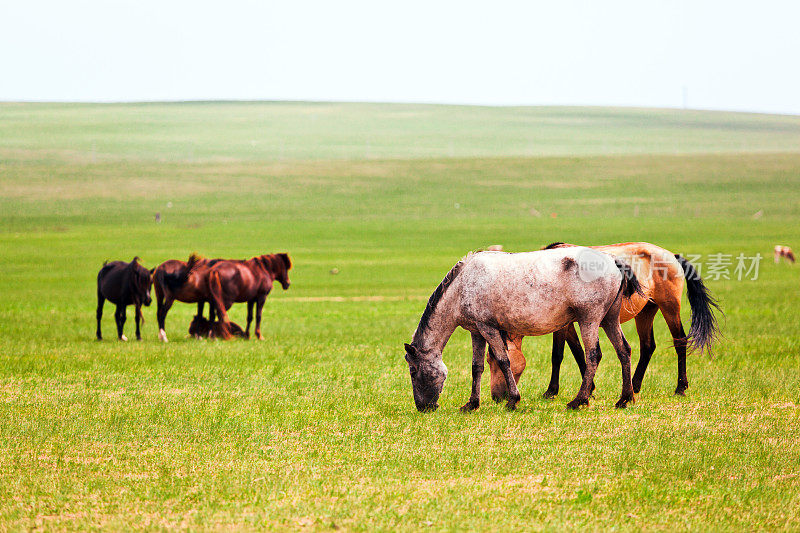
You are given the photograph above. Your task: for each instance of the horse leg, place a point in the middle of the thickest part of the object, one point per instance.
(137, 318)
(673, 317)
(250, 305)
(497, 380)
(497, 343)
(623, 349)
(161, 314)
(212, 314)
(478, 349)
(259, 306)
(120, 316)
(647, 342)
(100, 302)
(574, 343)
(591, 339)
(556, 357)
(200, 307)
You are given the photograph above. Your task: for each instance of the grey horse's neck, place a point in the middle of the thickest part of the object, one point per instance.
(433, 337)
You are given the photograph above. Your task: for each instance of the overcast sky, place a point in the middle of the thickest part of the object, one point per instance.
(707, 54)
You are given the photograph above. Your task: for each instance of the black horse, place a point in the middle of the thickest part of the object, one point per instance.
(123, 284)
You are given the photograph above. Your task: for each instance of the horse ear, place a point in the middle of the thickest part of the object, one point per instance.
(411, 352)
(287, 262)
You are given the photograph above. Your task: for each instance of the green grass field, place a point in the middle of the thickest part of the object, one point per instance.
(315, 427)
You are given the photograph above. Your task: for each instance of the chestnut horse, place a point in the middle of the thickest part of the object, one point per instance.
(495, 294)
(661, 275)
(123, 284)
(248, 281)
(182, 281)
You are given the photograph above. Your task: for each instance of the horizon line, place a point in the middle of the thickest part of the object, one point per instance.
(390, 102)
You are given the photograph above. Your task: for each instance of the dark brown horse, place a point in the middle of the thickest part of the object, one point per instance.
(181, 281)
(201, 328)
(123, 284)
(248, 281)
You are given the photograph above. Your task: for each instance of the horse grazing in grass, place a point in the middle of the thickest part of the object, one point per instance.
(123, 284)
(661, 275)
(181, 281)
(201, 328)
(494, 295)
(248, 281)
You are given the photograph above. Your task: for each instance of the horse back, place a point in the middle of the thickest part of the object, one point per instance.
(113, 281)
(536, 293)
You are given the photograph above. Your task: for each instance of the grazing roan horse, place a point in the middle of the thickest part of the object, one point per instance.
(661, 275)
(494, 295)
(181, 281)
(123, 284)
(248, 281)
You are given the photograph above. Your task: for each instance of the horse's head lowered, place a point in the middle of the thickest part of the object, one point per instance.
(427, 377)
(140, 281)
(278, 266)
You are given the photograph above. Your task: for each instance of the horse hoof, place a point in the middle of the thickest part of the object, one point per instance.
(123, 338)
(680, 392)
(162, 335)
(577, 404)
(469, 406)
(623, 402)
(549, 394)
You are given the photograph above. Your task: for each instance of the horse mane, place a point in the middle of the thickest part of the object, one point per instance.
(273, 262)
(437, 295)
(554, 245)
(194, 259)
(287, 261)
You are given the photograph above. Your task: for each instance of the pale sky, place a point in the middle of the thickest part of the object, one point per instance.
(714, 54)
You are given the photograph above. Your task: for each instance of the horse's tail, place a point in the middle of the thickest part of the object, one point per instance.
(630, 283)
(194, 259)
(175, 280)
(215, 289)
(704, 329)
(103, 270)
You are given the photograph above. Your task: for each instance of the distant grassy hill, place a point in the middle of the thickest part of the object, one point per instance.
(257, 131)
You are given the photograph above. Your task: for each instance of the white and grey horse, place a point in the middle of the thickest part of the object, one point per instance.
(496, 294)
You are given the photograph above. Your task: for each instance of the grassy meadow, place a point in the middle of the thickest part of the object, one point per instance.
(315, 427)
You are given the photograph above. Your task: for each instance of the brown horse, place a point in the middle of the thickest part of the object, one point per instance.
(248, 281)
(661, 275)
(181, 281)
(201, 328)
(123, 284)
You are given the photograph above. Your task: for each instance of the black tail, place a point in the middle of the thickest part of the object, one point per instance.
(630, 284)
(704, 329)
